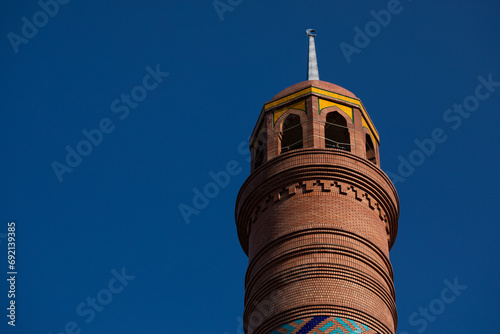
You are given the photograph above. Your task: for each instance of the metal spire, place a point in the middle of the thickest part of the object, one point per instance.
(312, 69)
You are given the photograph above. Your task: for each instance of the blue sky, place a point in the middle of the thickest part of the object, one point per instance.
(109, 226)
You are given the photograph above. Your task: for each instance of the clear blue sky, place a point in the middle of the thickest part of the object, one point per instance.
(119, 206)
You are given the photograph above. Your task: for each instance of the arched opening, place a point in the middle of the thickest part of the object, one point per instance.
(292, 134)
(337, 132)
(259, 154)
(370, 149)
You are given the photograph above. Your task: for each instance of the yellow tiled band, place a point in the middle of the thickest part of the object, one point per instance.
(366, 119)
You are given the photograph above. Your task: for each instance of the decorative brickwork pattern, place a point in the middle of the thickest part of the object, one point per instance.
(325, 186)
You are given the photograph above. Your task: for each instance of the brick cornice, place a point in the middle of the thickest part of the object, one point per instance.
(322, 171)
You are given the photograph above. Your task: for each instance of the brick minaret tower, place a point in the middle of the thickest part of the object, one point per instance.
(317, 216)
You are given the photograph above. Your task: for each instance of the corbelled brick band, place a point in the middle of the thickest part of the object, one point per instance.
(317, 225)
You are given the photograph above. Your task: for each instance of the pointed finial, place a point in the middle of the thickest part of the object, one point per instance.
(312, 69)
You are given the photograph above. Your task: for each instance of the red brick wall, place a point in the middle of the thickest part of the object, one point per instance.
(317, 225)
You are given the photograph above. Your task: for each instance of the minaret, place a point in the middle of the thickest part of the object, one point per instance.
(317, 216)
